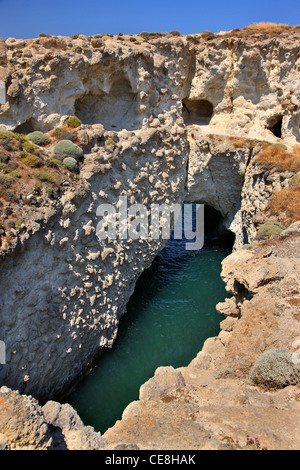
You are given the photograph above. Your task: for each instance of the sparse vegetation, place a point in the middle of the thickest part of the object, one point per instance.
(68, 149)
(5, 181)
(268, 230)
(261, 28)
(73, 121)
(286, 202)
(70, 163)
(239, 143)
(110, 142)
(65, 133)
(274, 369)
(30, 160)
(15, 174)
(294, 180)
(18, 225)
(9, 135)
(147, 36)
(53, 163)
(57, 131)
(277, 157)
(26, 181)
(28, 147)
(270, 27)
(45, 175)
(207, 35)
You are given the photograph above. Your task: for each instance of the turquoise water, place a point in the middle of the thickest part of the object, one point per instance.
(170, 315)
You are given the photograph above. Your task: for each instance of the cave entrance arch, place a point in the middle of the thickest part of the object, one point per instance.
(115, 109)
(215, 230)
(276, 127)
(197, 112)
(26, 127)
(216, 234)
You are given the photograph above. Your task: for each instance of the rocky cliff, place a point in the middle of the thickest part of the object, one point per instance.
(219, 401)
(164, 119)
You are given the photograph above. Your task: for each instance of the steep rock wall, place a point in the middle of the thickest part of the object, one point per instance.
(63, 292)
(69, 288)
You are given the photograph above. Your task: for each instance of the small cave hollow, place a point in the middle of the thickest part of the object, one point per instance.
(215, 231)
(276, 127)
(115, 110)
(197, 111)
(26, 127)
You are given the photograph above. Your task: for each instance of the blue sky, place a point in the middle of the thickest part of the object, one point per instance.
(29, 18)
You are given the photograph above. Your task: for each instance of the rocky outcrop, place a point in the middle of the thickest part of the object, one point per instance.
(24, 425)
(212, 403)
(250, 83)
(180, 120)
(211, 414)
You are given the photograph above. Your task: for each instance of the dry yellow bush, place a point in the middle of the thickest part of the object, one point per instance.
(279, 158)
(286, 202)
(268, 27)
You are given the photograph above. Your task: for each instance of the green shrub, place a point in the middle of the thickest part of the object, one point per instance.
(30, 160)
(207, 35)
(68, 149)
(70, 163)
(53, 163)
(44, 175)
(9, 135)
(57, 131)
(6, 135)
(110, 142)
(38, 138)
(18, 225)
(279, 146)
(268, 230)
(294, 180)
(28, 147)
(15, 174)
(275, 369)
(73, 121)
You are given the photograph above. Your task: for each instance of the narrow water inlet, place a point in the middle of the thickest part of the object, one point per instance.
(170, 315)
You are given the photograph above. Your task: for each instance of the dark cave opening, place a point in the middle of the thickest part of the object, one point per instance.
(197, 111)
(215, 231)
(26, 127)
(276, 128)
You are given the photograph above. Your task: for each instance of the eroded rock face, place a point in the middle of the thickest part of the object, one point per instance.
(24, 425)
(69, 288)
(63, 292)
(211, 414)
(244, 85)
